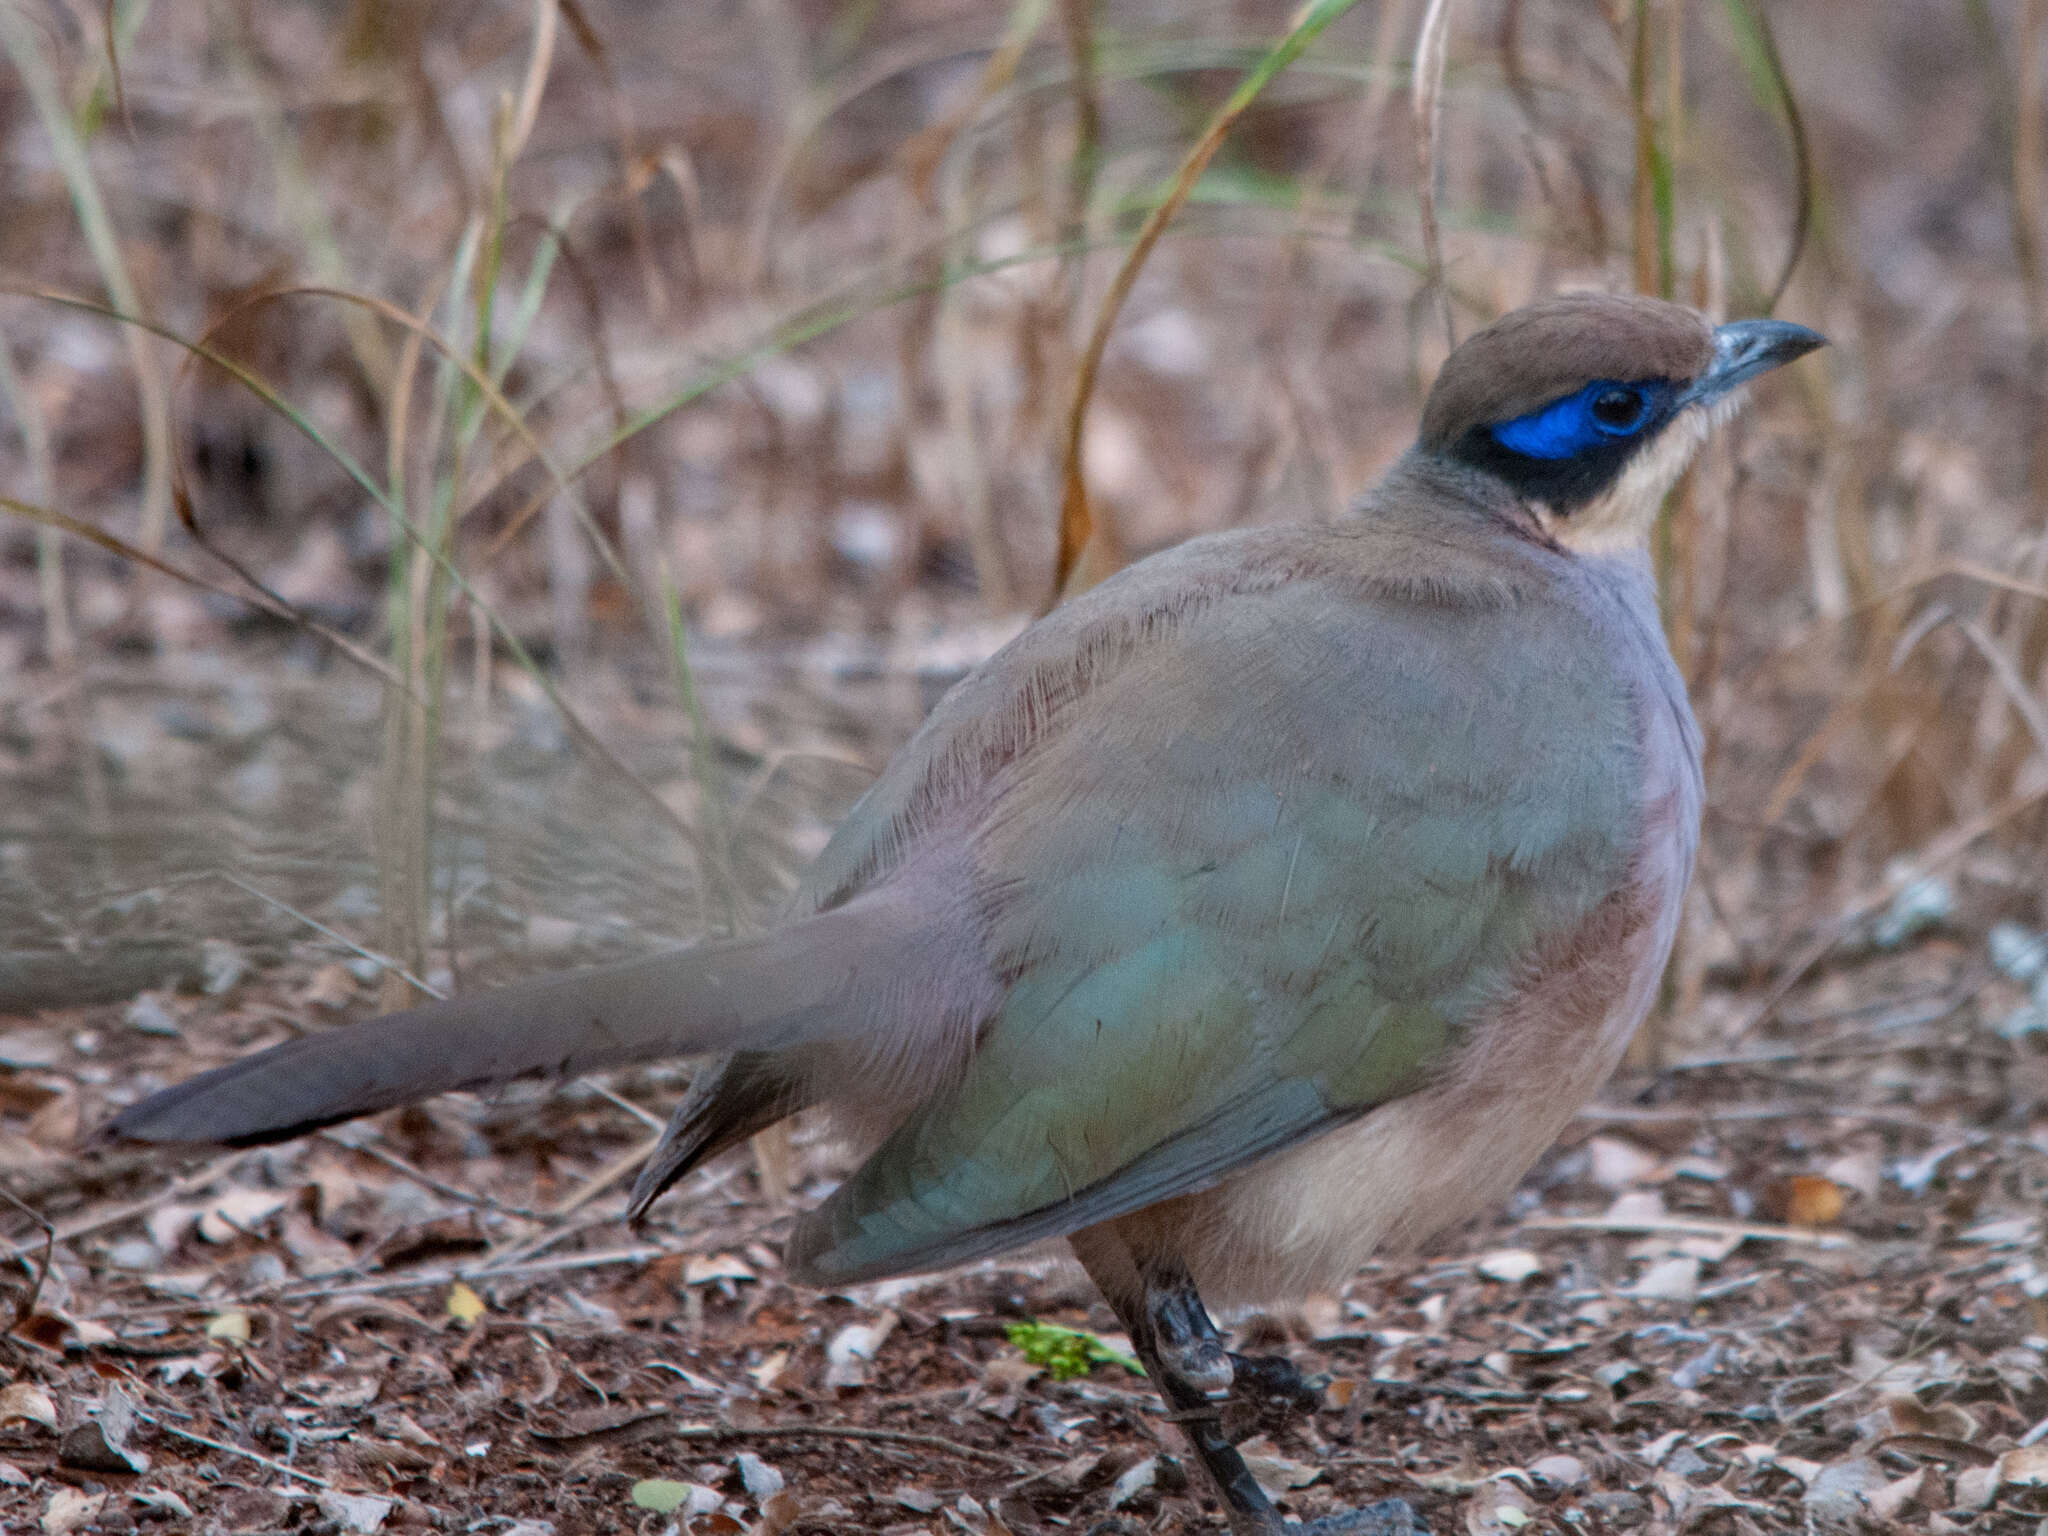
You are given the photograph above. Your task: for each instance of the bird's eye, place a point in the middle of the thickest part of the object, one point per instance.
(1591, 418)
(1619, 410)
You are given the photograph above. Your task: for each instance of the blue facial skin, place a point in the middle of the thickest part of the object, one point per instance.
(1572, 449)
(1566, 428)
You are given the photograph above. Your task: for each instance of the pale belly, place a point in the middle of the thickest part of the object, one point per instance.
(1307, 1219)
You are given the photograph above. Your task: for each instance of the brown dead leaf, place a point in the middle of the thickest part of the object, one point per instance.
(704, 1268)
(402, 1426)
(45, 1327)
(1613, 1163)
(1278, 1474)
(57, 1123)
(25, 1402)
(778, 1514)
(770, 1370)
(2026, 1465)
(70, 1510)
(236, 1212)
(1977, 1487)
(1947, 1421)
(332, 986)
(1923, 1488)
(1812, 1201)
(1499, 1507)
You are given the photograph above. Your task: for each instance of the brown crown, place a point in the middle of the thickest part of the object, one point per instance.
(1545, 350)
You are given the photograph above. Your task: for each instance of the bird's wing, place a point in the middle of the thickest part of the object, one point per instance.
(1252, 842)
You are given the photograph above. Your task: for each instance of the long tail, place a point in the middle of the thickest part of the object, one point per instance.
(806, 981)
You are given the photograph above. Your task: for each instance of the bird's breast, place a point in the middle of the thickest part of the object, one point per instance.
(1306, 1220)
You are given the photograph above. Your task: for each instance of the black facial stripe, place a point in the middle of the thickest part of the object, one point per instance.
(1564, 485)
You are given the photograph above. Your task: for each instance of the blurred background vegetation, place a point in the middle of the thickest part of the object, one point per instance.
(555, 451)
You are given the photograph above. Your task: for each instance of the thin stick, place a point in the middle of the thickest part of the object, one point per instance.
(426, 1180)
(199, 1178)
(1704, 1226)
(235, 1450)
(316, 1288)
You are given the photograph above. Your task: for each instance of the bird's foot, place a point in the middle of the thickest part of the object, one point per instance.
(1275, 1378)
(1389, 1517)
(1267, 1393)
(1187, 1341)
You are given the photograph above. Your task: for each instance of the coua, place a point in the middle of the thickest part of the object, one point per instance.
(1273, 902)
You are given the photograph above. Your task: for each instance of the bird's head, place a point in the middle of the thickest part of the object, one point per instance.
(1588, 407)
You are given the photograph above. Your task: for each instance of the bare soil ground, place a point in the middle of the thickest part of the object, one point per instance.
(1798, 1287)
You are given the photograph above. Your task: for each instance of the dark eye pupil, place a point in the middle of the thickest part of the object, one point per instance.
(1616, 408)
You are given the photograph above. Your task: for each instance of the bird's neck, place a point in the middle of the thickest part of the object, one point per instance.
(1445, 530)
(1426, 493)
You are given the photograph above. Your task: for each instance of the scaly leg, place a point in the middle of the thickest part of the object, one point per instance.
(1173, 1335)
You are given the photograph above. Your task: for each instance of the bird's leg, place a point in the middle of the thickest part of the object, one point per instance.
(1183, 1353)
(1183, 1332)
(1268, 1390)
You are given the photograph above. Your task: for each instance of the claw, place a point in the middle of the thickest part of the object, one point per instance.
(1277, 1377)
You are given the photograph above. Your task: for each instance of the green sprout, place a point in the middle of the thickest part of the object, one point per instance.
(1067, 1352)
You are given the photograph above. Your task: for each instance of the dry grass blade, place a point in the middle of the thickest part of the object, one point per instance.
(932, 144)
(39, 1272)
(111, 24)
(34, 429)
(282, 1468)
(571, 718)
(1949, 845)
(1080, 534)
(25, 49)
(526, 111)
(1078, 28)
(63, 522)
(2006, 670)
(1702, 1226)
(1760, 45)
(1650, 193)
(1432, 57)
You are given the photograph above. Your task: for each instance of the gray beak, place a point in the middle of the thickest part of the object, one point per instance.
(1745, 348)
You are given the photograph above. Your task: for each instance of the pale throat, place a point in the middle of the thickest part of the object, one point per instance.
(1620, 518)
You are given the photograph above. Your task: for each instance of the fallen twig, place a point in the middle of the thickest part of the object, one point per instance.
(1704, 1226)
(235, 1450)
(199, 1178)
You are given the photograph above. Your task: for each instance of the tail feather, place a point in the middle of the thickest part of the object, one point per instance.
(797, 984)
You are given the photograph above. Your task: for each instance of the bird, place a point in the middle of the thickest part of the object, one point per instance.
(1273, 903)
